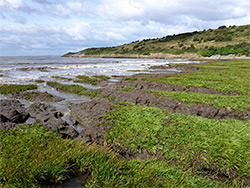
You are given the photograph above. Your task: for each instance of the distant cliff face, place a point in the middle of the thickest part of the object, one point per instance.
(222, 41)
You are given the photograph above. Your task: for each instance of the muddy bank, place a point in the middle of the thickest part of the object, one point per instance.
(14, 114)
(35, 96)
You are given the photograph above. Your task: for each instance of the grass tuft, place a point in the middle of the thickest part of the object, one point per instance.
(130, 78)
(35, 157)
(239, 103)
(74, 89)
(232, 76)
(6, 89)
(204, 146)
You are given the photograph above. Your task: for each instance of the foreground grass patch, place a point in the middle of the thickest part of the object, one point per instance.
(39, 81)
(93, 81)
(86, 80)
(35, 157)
(204, 146)
(60, 77)
(6, 89)
(234, 77)
(75, 89)
(218, 101)
(102, 77)
(130, 78)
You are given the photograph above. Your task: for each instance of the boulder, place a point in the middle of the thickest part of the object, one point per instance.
(13, 111)
(48, 117)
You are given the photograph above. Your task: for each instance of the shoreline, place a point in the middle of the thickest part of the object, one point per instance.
(158, 56)
(136, 94)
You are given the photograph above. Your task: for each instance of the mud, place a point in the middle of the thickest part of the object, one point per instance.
(35, 96)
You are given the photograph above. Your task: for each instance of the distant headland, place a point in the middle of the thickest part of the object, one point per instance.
(225, 41)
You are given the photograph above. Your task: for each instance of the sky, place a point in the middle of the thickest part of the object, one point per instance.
(55, 27)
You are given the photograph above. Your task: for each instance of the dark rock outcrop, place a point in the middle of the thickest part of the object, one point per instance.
(12, 113)
(48, 117)
(87, 115)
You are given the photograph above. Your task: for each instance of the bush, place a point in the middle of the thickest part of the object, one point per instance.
(222, 38)
(209, 52)
(241, 49)
(145, 53)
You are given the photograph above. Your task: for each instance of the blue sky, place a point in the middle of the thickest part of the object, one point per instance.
(55, 27)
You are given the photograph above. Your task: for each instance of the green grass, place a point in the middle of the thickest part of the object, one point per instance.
(86, 80)
(63, 78)
(233, 78)
(200, 145)
(220, 41)
(6, 89)
(101, 77)
(130, 78)
(39, 81)
(126, 89)
(93, 81)
(35, 157)
(238, 103)
(74, 89)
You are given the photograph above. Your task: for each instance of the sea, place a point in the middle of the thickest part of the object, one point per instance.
(27, 69)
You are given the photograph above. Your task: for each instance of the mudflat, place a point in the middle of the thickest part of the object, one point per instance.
(194, 124)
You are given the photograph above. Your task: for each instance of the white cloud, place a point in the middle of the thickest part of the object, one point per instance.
(69, 25)
(122, 9)
(11, 4)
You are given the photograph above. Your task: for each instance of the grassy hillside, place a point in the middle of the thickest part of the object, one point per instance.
(221, 41)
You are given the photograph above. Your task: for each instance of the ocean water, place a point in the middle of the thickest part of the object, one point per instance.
(25, 70)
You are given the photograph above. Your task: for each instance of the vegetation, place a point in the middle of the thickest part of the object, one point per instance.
(102, 77)
(33, 95)
(193, 144)
(243, 49)
(162, 149)
(39, 81)
(130, 78)
(145, 53)
(63, 78)
(218, 101)
(231, 76)
(221, 41)
(35, 157)
(127, 89)
(6, 89)
(85, 79)
(75, 89)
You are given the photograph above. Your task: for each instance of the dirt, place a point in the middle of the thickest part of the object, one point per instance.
(35, 96)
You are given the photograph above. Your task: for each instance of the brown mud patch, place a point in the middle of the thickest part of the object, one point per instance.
(35, 96)
(142, 98)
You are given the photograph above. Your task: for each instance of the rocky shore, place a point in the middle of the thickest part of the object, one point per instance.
(86, 114)
(193, 117)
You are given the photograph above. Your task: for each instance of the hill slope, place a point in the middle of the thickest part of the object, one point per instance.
(221, 41)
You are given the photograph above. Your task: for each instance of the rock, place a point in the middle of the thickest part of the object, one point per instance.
(48, 117)
(7, 125)
(87, 115)
(13, 111)
(3, 119)
(68, 131)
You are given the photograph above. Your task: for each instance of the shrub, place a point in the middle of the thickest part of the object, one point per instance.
(222, 38)
(145, 53)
